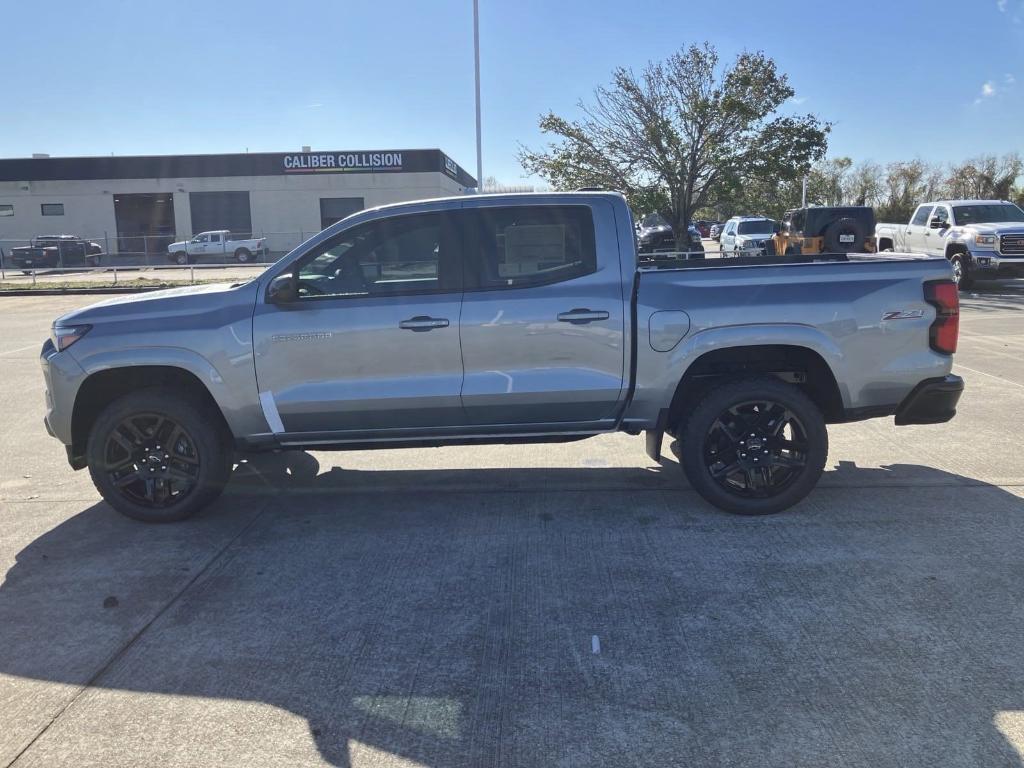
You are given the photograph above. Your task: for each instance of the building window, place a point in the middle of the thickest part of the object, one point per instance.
(6, 210)
(53, 209)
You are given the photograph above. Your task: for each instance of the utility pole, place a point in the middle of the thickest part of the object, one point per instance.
(476, 69)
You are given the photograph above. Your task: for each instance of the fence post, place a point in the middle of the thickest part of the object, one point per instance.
(115, 275)
(192, 275)
(145, 247)
(106, 243)
(33, 278)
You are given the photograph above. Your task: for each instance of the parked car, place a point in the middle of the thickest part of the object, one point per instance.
(981, 238)
(704, 227)
(746, 235)
(655, 234)
(494, 319)
(53, 251)
(217, 244)
(824, 229)
(716, 230)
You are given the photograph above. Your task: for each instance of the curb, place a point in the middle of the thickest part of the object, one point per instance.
(80, 291)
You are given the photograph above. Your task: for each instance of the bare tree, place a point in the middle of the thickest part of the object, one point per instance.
(682, 134)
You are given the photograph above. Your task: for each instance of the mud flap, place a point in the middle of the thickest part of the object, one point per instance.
(653, 437)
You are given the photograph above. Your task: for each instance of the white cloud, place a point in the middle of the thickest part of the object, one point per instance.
(1001, 5)
(1009, 79)
(798, 100)
(314, 105)
(988, 89)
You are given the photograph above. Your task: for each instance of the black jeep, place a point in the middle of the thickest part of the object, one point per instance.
(825, 229)
(52, 251)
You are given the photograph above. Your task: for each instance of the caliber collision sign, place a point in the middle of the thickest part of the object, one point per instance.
(340, 162)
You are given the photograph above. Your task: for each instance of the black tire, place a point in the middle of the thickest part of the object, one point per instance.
(961, 272)
(93, 261)
(243, 255)
(769, 247)
(129, 460)
(181, 257)
(844, 227)
(795, 463)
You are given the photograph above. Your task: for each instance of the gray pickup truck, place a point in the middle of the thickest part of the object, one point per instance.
(501, 319)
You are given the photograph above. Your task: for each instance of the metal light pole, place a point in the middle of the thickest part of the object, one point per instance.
(476, 69)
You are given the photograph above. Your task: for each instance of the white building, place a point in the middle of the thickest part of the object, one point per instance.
(139, 204)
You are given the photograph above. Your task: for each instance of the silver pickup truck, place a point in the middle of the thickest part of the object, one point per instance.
(980, 238)
(501, 319)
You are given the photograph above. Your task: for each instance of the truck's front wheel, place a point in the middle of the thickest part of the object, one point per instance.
(158, 457)
(754, 446)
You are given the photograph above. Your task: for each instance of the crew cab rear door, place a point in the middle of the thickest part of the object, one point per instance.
(543, 315)
(370, 345)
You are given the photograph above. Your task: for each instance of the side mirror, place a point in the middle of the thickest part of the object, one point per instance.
(938, 224)
(282, 290)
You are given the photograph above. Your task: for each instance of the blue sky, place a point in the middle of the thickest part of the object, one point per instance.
(942, 79)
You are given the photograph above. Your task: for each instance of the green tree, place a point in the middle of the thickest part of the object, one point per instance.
(685, 133)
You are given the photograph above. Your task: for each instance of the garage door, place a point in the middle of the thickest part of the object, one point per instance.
(334, 209)
(221, 210)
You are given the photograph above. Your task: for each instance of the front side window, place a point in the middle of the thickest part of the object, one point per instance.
(941, 213)
(53, 209)
(921, 217)
(520, 246)
(6, 210)
(393, 256)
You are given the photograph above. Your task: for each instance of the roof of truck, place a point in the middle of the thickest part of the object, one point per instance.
(968, 202)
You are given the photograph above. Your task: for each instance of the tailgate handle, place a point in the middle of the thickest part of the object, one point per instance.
(422, 323)
(580, 316)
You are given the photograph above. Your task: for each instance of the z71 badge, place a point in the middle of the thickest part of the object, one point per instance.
(902, 314)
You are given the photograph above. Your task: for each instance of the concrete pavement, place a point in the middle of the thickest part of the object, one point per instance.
(525, 605)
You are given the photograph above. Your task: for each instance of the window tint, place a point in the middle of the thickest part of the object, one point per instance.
(391, 256)
(526, 245)
(53, 209)
(6, 210)
(921, 217)
(755, 227)
(940, 213)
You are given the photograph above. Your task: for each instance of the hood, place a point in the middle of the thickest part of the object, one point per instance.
(996, 228)
(172, 302)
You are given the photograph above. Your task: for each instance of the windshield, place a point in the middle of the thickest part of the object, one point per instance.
(653, 220)
(984, 214)
(755, 227)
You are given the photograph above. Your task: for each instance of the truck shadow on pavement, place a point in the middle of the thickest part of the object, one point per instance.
(594, 616)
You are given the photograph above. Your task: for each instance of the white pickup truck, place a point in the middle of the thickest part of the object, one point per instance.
(981, 238)
(217, 243)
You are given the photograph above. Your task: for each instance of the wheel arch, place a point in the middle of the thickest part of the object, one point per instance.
(104, 386)
(793, 363)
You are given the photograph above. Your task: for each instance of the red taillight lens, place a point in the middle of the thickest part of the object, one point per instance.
(945, 297)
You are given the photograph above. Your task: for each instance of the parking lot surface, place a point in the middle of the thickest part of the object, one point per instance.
(560, 605)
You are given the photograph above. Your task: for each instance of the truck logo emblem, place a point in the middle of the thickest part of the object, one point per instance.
(902, 314)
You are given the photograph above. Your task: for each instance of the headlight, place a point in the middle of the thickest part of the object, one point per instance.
(985, 239)
(63, 336)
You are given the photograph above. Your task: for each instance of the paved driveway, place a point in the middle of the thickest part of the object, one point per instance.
(525, 605)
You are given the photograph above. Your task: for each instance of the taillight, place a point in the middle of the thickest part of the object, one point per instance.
(945, 297)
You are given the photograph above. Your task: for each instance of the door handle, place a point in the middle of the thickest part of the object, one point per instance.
(423, 323)
(580, 316)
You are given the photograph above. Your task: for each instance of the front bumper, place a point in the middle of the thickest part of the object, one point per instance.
(933, 401)
(992, 264)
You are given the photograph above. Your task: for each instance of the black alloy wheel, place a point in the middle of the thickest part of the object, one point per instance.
(756, 449)
(159, 454)
(754, 446)
(151, 460)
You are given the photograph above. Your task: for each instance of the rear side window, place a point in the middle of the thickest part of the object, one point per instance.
(52, 209)
(921, 217)
(520, 246)
(6, 210)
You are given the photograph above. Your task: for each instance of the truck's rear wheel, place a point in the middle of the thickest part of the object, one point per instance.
(158, 457)
(244, 255)
(181, 257)
(754, 446)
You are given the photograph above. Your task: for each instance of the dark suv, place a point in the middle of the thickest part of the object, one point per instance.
(655, 234)
(825, 229)
(56, 251)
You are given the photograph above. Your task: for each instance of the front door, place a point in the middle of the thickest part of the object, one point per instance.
(916, 241)
(543, 326)
(371, 343)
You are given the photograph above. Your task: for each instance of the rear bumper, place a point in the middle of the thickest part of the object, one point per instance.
(933, 401)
